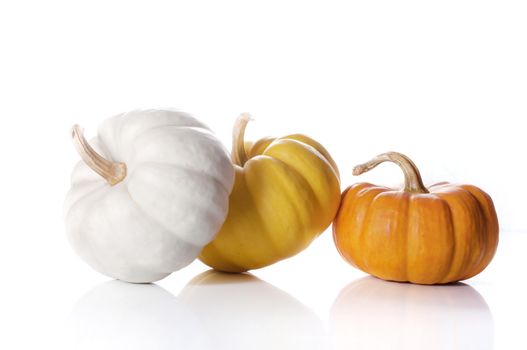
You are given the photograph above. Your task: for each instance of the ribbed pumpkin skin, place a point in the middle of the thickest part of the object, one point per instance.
(447, 235)
(284, 196)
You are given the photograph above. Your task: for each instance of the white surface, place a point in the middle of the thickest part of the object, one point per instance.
(312, 301)
(444, 82)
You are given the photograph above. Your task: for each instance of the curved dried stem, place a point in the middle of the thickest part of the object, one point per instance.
(239, 154)
(112, 172)
(412, 177)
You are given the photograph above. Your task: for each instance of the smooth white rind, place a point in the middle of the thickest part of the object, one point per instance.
(172, 202)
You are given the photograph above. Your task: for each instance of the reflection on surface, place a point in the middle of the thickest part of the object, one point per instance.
(214, 311)
(375, 314)
(244, 312)
(119, 315)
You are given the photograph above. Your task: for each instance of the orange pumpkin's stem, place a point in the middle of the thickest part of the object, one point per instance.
(412, 177)
(239, 154)
(112, 172)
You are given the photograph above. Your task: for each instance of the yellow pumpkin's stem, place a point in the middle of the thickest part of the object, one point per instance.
(239, 154)
(112, 172)
(412, 177)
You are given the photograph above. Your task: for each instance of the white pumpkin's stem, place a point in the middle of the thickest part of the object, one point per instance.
(412, 177)
(239, 154)
(112, 172)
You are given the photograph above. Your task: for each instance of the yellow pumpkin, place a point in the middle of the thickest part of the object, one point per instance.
(442, 234)
(286, 192)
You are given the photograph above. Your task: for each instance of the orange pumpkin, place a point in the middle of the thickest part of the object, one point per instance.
(442, 234)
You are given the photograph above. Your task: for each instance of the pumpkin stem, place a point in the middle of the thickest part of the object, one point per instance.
(112, 172)
(239, 154)
(412, 177)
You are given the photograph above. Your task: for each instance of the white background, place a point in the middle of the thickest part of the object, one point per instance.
(444, 82)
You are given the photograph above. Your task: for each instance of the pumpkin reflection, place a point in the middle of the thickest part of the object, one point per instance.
(371, 313)
(118, 315)
(215, 310)
(240, 311)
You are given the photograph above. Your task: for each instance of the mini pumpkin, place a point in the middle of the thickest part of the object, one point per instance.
(441, 234)
(286, 193)
(151, 191)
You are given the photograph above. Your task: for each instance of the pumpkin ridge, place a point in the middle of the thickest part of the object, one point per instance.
(84, 219)
(93, 251)
(168, 131)
(173, 126)
(224, 258)
(364, 224)
(185, 169)
(408, 238)
(153, 219)
(426, 233)
(99, 187)
(216, 251)
(453, 238)
(358, 235)
(346, 210)
(263, 224)
(407, 226)
(452, 191)
(168, 123)
(254, 204)
(485, 230)
(85, 196)
(167, 228)
(403, 200)
(454, 247)
(312, 151)
(308, 148)
(491, 220)
(256, 150)
(287, 171)
(298, 177)
(306, 140)
(393, 200)
(143, 132)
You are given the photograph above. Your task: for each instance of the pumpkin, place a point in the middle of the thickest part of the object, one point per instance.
(374, 314)
(151, 191)
(286, 192)
(441, 234)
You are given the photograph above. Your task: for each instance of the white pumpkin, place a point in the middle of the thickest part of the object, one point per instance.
(151, 191)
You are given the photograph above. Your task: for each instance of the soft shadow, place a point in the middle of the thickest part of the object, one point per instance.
(240, 311)
(214, 311)
(119, 315)
(373, 314)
